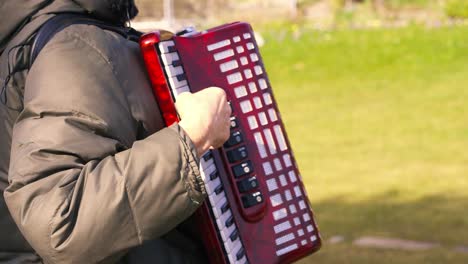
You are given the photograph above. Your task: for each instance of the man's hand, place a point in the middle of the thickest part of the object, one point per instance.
(205, 117)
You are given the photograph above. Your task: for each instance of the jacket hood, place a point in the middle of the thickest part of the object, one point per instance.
(16, 13)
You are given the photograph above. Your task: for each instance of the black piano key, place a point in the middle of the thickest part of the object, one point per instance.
(214, 175)
(181, 77)
(171, 48)
(225, 207)
(207, 156)
(229, 221)
(234, 139)
(176, 63)
(248, 184)
(237, 154)
(234, 235)
(218, 189)
(240, 254)
(242, 169)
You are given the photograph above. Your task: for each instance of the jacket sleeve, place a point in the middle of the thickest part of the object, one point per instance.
(82, 189)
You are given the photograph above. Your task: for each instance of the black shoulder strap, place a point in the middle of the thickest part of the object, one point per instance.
(61, 21)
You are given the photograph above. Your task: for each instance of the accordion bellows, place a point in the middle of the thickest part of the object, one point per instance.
(257, 209)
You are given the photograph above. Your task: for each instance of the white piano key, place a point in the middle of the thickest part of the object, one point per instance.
(223, 54)
(248, 73)
(240, 91)
(250, 46)
(229, 65)
(243, 260)
(286, 238)
(310, 228)
(277, 163)
(169, 58)
(263, 119)
(260, 144)
(254, 57)
(306, 217)
(246, 106)
(232, 255)
(262, 83)
(244, 61)
(257, 102)
(267, 168)
(217, 208)
(182, 89)
(286, 250)
(206, 163)
(288, 195)
(269, 138)
(267, 98)
(276, 200)
(292, 209)
(173, 71)
(283, 180)
(215, 198)
(287, 159)
(236, 39)
(164, 46)
(221, 220)
(282, 227)
(225, 232)
(272, 114)
(212, 185)
(176, 83)
(252, 122)
(297, 191)
(234, 78)
(280, 214)
(258, 70)
(300, 232)
(218, 45)
(231, 245)
(292, 176)
(297, 221)
(239, 49)
(280, 138)
(247, 36)
(272, 184)
(302, 205)
(252, 87)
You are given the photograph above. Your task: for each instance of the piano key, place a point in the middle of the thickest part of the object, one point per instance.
(287, 159)
(272, 114)
(252, 87)
(280, 138)
(254, 57)
(239, 49)
(229, 65)
(272, 184)
(230, 221)
(257, 102)
(182, 89)
(282, 227)
(267, 98)
(218, 207)
(280, 214)
(243, 260)
(221, 220)
(218, 189)
(176, 83)
(218, 45)
(244, 61)
(276, 200)
(240, 254)
(231, 245)
(286, 238)
(225, 206)
(234, 78)
(263, 119)
(173, 71)
(260, 144)
(166, 46)
(170, 58)
(269, 138)
(247, 35)
(234, 235)
(250, 46)
(226, 232)
(210, 186)
(262, 83)
(286, 249)
(258, 70)
(240, 91)
(232, 254)
(223, 54)
(277, 163)
(207, 156)
(252, 122)
(216, 197)
(214, 175)
(292, 209)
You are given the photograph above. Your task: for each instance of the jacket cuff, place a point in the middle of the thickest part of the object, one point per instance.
(196, 186)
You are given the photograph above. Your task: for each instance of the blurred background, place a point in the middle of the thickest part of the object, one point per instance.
(374, 96)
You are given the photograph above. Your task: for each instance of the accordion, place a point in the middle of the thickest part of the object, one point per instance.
(257, 210)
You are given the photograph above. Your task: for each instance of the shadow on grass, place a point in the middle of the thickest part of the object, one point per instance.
(438, 218)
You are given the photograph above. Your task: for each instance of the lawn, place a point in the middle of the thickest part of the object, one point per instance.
(378, 120)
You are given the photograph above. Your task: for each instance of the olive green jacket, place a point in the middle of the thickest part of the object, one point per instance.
(87, 170)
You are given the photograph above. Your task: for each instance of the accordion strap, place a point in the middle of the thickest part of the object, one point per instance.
(63, 20)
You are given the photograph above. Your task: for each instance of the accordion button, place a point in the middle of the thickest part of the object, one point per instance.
(247, 184)
(237, 154)
(242, 169)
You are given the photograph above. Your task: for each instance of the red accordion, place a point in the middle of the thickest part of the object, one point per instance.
(257, 210)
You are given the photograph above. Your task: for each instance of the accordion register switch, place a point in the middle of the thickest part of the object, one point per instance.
(257, 210)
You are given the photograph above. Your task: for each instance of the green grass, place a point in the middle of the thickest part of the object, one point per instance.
(378, 120)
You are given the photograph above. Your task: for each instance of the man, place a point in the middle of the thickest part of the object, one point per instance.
(93, 177)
